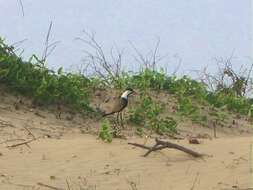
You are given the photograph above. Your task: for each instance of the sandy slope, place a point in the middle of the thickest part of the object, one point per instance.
(97, 165)
(63, 152)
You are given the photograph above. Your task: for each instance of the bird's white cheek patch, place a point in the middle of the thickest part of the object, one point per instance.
(125, 94)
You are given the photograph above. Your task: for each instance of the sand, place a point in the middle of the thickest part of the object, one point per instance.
(85, 160)
(64, 157)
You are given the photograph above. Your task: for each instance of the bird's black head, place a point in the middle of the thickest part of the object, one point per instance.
(129, 89)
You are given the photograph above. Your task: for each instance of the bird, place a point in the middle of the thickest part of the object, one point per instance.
(120, 104)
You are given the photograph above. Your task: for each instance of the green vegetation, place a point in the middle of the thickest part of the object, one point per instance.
(194, 101)
(32, 78)
(147, 113)
(105, 132)
(250, 114)
(187, 91)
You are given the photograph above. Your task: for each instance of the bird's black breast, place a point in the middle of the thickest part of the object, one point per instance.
(123, 102)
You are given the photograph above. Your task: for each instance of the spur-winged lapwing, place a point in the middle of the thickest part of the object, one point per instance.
(120, 104)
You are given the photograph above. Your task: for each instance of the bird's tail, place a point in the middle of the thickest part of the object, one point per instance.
(106, 114)
(102, 113)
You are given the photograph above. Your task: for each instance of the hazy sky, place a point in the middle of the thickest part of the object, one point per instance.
(195, 30)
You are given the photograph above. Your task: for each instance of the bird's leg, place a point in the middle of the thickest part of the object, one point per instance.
(118, 119)
(117, 126)
(121, 120)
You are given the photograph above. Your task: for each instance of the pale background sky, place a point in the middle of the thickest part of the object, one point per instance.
(195, 30)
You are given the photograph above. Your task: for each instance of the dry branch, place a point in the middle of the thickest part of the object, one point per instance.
(30, 133)
(68, 184)
(96, 59)
(165, 144)
(23, 143)
(229, 79)
(5, 124)
(195, 180)
(150, 60)
(22, 7)
(11, 140)
(49, 186)
(49, 48)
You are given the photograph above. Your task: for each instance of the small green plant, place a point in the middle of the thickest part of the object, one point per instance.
(147, 114)
(139, 131)
(186, 106)
(105, 132)
(147, 110)
(250, 113)
(165, 126)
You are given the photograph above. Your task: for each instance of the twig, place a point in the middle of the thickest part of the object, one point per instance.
(49, 48)
(140, 145)
(18, 144)
(22, 7)
(98, 61)
(49, 186)
(140, 57)
(248, 77)
(155, 148)
(44, 56)
(133, 185)
(16, 44)
(5, 124)
(214, 129)
(68, 184)
(30, 133)
(195, 180)
(177, 67)
(10, 140)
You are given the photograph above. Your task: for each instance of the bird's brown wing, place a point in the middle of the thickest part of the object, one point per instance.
(119, 105)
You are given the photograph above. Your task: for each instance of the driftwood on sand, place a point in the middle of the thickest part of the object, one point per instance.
(22, 143)
(49, 186)
(160, 144)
